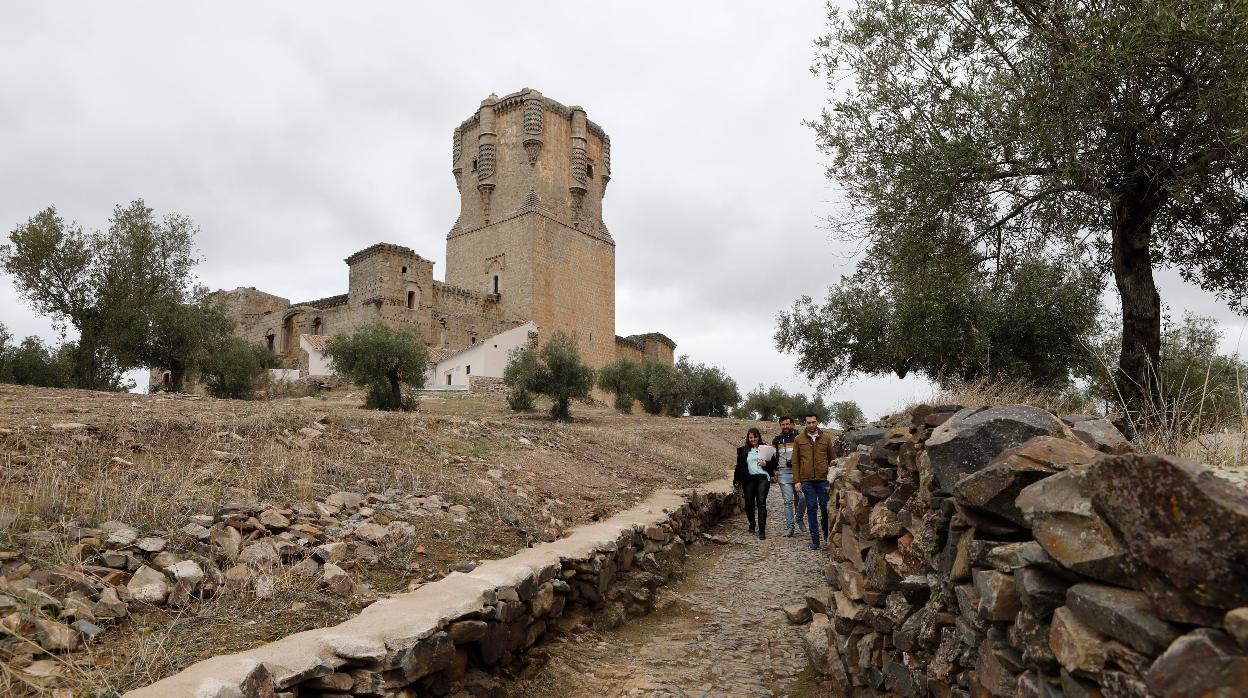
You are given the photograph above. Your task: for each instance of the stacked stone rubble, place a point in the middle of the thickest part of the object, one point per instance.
(1007, 552)
(452, 636)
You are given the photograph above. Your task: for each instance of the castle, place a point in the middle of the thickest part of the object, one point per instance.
(529, 246)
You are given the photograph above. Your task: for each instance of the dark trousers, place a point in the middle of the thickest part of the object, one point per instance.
(816, 494)
(756, 489)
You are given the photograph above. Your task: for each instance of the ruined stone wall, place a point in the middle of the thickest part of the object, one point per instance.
(1007, 552)
(629, 350)
(455, 632)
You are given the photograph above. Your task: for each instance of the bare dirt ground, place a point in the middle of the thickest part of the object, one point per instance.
(73, 460)
(718, 633)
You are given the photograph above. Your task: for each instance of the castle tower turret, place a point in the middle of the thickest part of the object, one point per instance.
(532, 174)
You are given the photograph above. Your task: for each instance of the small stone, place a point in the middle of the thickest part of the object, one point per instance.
(1236, 623)
(121, 537)
(336, 579)
(1101, 435)
(345, 500)
(274, 519)
(148, 586)
(998, 599)
(372, 532)
(307, 567)
(195, 531)
(260, 554)
(188, 570)
(110, 605)
(86, 629)
(238, 577)
(164, 560)
(459, 511)
(54, 636)
(228, 539)
(332, 552)
(151, 544)
(797, 613)
(1077, 647)
(1040, 591)
(180, 594)
(265, 586)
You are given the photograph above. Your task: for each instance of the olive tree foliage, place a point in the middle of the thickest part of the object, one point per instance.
(383, 359)
(556, 371)
(979, 132)
(111, 287)
(665, 389)
(520, 375)
(1200, 388)
(183, 338)
(769, 404)
(1032, 321)
(709, 390)
(33, 362)
(624, 379)
(847, 413)
(233, 368)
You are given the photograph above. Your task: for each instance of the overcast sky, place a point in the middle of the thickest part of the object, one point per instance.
(297, 133)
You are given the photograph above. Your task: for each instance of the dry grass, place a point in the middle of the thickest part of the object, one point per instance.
(149, 461)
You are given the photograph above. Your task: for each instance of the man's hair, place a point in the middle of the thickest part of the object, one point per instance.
(805, 417)
(784, 418)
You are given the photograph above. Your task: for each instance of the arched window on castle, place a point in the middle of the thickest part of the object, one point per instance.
(495, 291)
(411, 299)
(589, 171)
(317, 326)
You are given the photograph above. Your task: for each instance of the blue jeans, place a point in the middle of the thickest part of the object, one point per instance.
(794, 507)
(816, 494)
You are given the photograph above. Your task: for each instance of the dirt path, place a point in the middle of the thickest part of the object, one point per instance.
(721, 632)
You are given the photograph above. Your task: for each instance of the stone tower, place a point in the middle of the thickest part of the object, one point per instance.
(531, 174)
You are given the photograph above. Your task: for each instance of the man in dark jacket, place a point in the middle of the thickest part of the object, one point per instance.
(813, 452)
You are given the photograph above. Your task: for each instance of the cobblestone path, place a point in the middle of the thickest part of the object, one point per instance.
(719, 631)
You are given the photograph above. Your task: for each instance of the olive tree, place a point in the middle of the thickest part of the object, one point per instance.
(383, 359)
(976, 131)
(110, 286)
(555, 370)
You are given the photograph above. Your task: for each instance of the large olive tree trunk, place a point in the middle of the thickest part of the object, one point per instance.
(1134, 208)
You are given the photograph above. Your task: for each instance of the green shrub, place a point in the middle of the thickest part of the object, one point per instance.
(383, 359)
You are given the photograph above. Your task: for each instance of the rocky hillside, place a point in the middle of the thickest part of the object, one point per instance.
(1007, 552)
(141, 533)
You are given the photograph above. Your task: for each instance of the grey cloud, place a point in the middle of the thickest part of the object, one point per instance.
(297, 134)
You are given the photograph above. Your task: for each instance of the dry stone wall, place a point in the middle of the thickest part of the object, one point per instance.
(1007, 552)
(453, 635)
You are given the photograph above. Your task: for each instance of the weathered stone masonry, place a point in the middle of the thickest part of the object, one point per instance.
(448, 635)
(1007, 552)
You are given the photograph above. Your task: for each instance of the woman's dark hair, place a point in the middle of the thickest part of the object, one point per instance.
(756, 432)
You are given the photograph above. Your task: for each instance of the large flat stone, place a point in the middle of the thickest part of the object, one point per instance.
(975, 436)
(1123, 614)
(1063, 521)
(1202, 663)
(1186, 531)
(995, 487)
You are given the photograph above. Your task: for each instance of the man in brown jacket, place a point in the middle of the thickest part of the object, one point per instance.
(813, 452)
